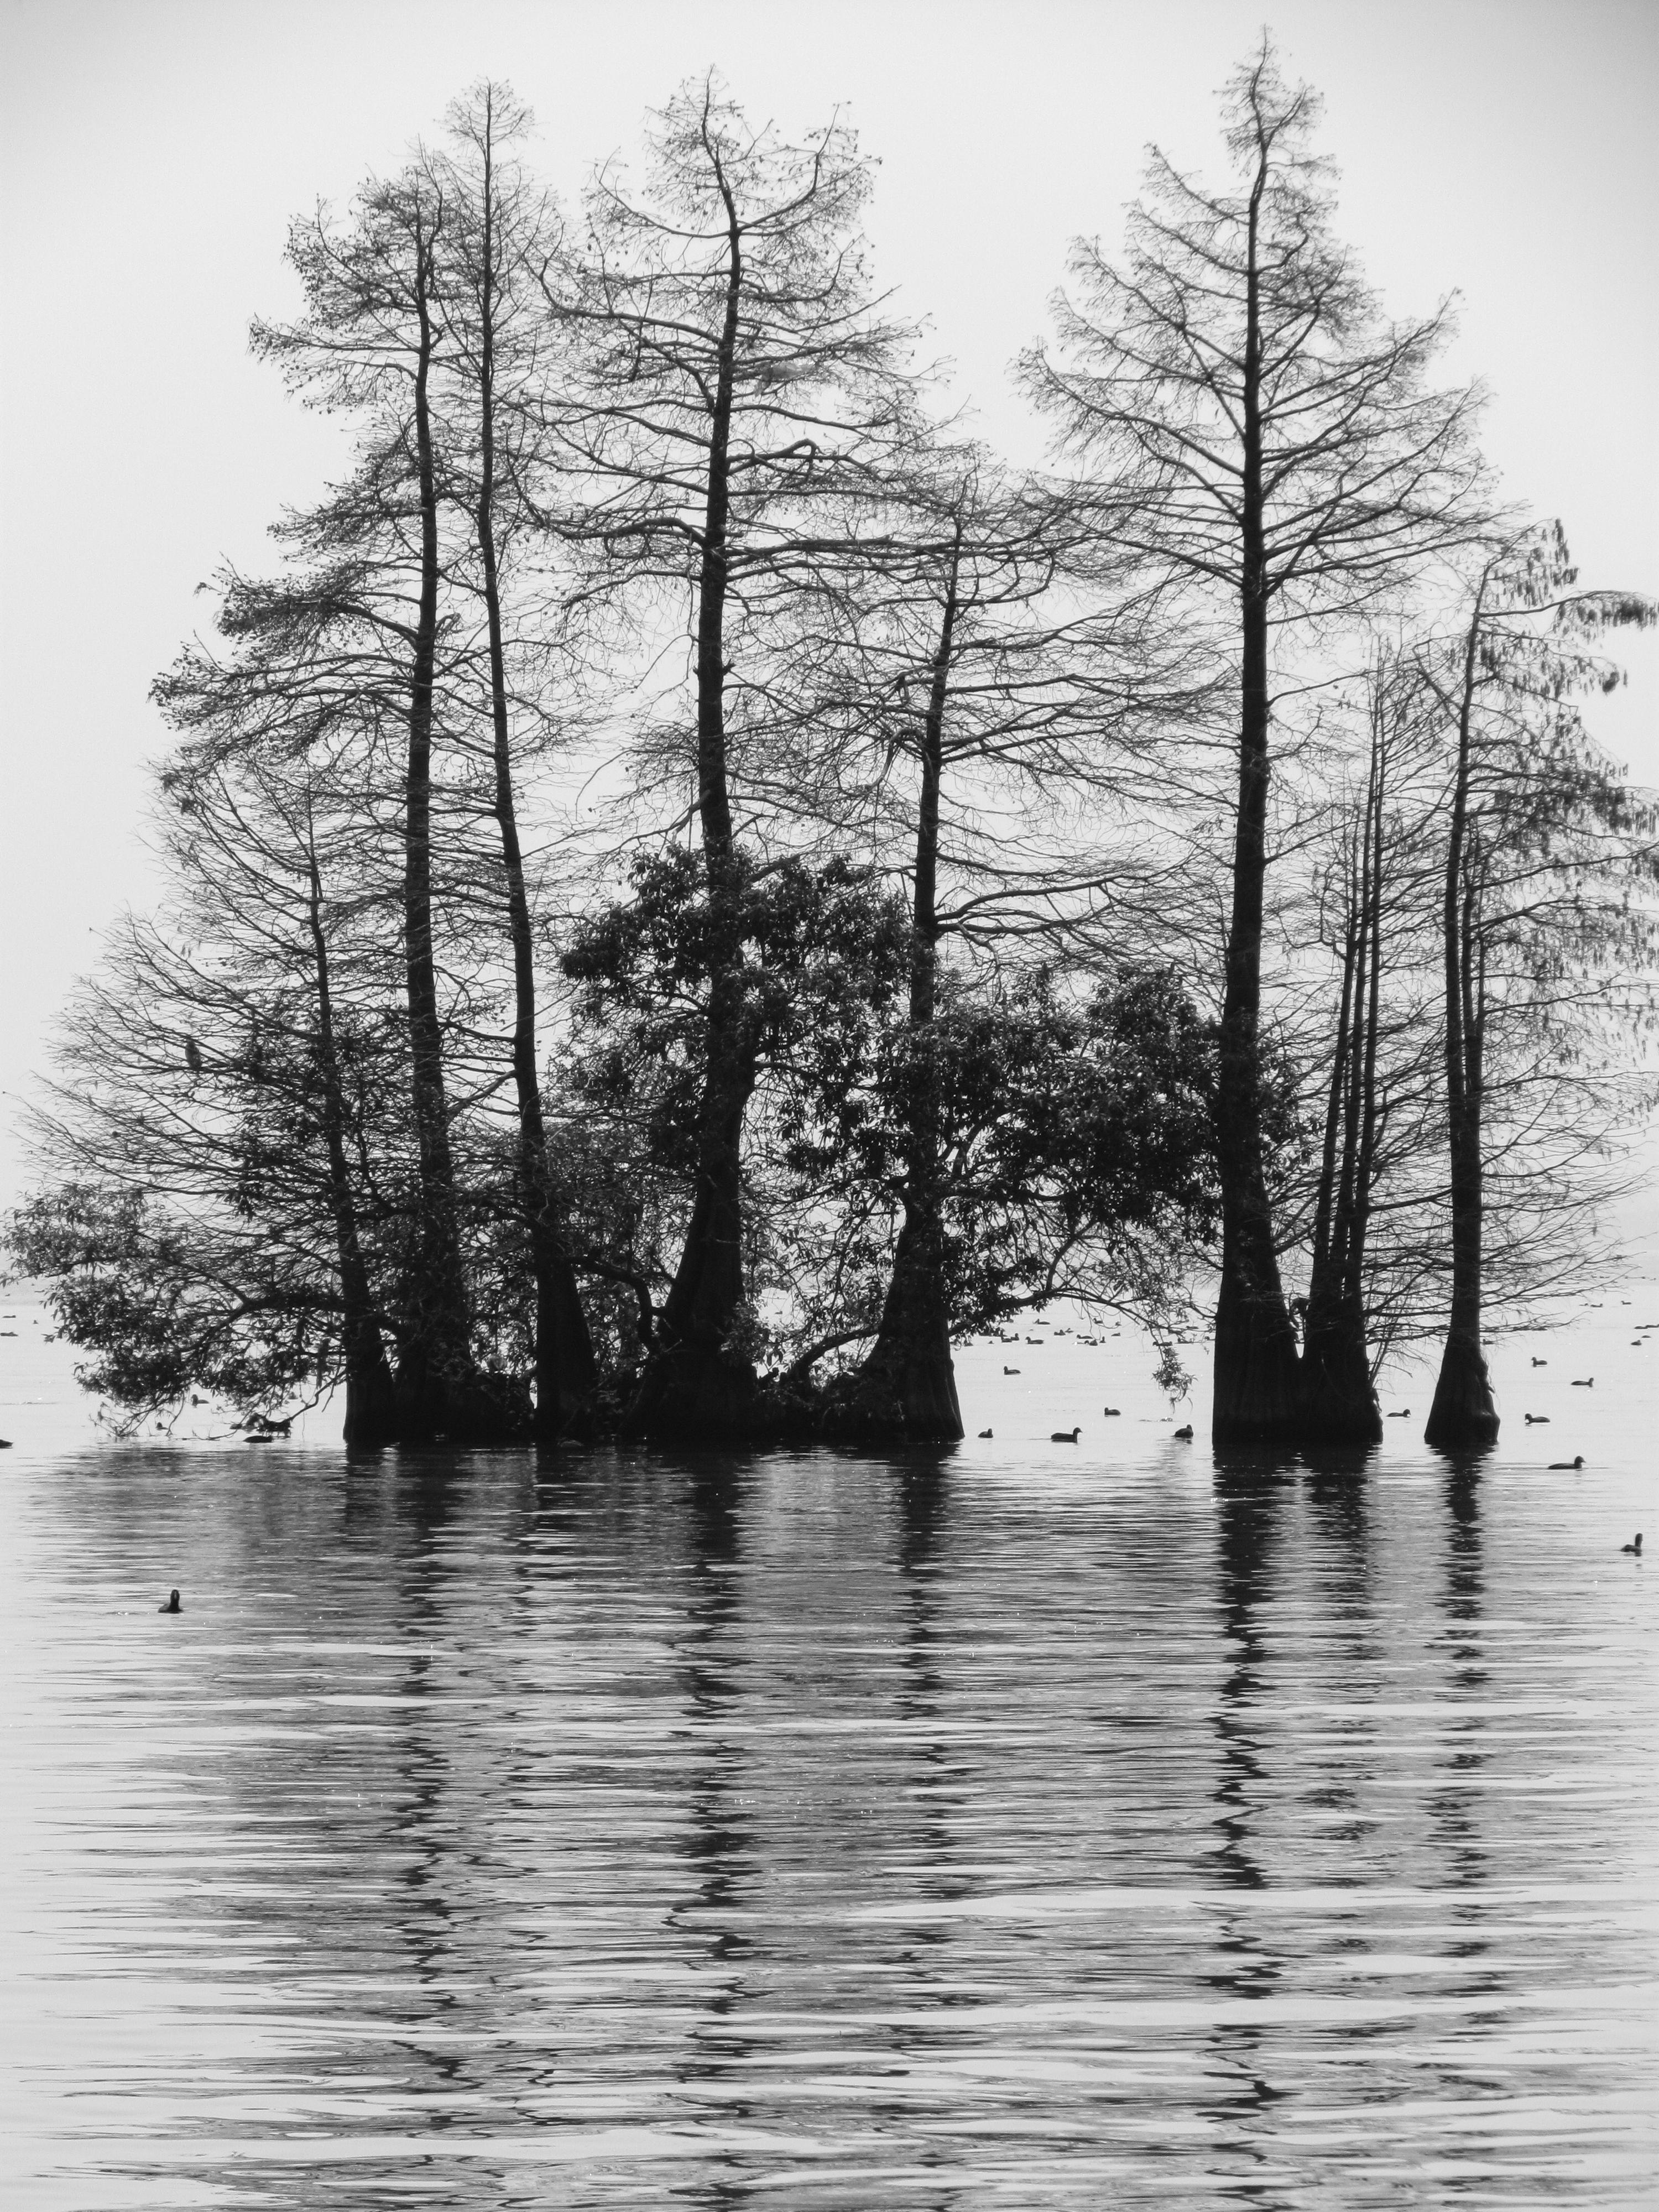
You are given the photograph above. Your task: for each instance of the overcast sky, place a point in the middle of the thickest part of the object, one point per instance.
(153, 150)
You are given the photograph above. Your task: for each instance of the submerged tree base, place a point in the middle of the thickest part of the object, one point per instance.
(687, 1395)
(904, 1399)
(1258, 1382)
(692, 1396)
(371, 1408)
(1338, 1401)
(426, 1407)
(693, 1393)
(1463, 1412)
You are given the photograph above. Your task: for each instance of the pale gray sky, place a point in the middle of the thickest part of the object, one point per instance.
(154, 149)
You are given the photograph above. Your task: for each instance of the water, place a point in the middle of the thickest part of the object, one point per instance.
(1024, 1826)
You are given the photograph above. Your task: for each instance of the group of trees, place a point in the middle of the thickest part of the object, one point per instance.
(693, 867)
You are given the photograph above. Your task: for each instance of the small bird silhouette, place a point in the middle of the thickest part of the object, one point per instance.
(1587, 1383)
(5, 1444)
(1540, 1363)
(1065, 1436)
(1566, 1466)
(172, 1605)
(1535, 1420)
(192, 1055)
(1011, 1370)
(1184, 1435)
(1636, 1546)
(985, 1432)
(1112, 1412)
(1405, 1415)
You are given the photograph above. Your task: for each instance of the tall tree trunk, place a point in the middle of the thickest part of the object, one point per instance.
(566, 1374)
(370, 1411)
(1256, 1382)
(435, 1382)
(1338, 1401)
(1463, 1412)
(907, 1385)
(694, 1384)
(1330, 1156)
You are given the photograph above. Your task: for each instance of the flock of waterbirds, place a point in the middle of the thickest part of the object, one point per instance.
(259, 1429)
(1184, 1434)
(1397, 1414)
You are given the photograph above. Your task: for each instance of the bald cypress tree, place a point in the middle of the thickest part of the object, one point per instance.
(501, 361)
(742, 392)
(1266, 438)
(1541, 940)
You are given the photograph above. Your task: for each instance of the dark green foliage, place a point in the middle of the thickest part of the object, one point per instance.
(164, 1306)
(1076, 1144)
(822, 956)
(1078, 1152)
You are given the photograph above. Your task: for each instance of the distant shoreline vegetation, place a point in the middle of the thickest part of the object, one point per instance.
(692, 885)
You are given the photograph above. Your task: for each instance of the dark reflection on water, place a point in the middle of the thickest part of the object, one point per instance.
(614, 1830)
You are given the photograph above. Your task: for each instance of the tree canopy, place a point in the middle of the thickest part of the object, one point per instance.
(693, 886)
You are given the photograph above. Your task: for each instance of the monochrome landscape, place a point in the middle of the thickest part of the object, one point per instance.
(824, 1370)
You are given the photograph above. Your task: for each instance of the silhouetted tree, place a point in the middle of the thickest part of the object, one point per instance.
(741, 389)
(368, 343)
(496, 247)
(1262, 433)
(1544, 842)
(1014, 711)
(226, 1130)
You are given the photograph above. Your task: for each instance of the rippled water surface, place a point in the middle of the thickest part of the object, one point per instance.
(1018, 1826)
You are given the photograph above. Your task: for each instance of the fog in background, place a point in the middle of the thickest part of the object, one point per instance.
(153, 150)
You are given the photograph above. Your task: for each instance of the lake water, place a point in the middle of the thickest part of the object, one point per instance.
(1027, 1826)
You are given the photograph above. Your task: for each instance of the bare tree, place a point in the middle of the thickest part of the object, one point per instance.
(496, 246)
(369, 343)
(744, 387)
(1262, 433)
(1015, 714)
(1544, 842)
(1340, 1396)
(225, 1136)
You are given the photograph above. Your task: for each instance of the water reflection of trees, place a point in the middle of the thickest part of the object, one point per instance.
(654, 1733)
(1454, 1807)
(1252, 1491)
(714, 1832)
